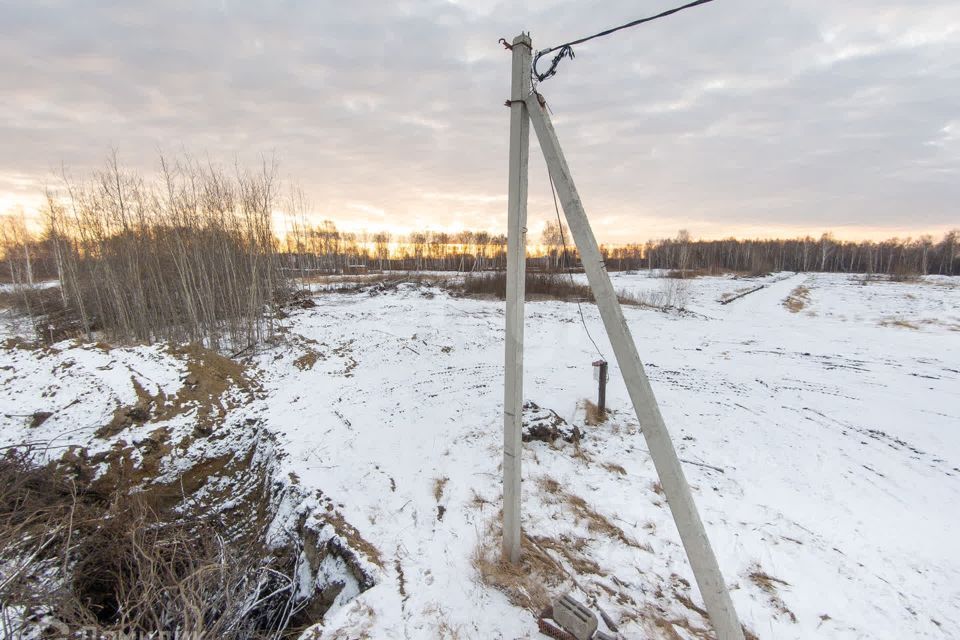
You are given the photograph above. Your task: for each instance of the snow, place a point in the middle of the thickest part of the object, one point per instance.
(823, 448)
(81, 385)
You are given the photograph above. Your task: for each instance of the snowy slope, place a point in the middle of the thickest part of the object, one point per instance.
(838, 441)
(823, 446)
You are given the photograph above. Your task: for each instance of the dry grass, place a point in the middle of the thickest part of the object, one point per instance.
(125, 561)
(899, 322)
(797, 299)
(573, 551)
(356, 541)
(439, 484)
(612, 467)
(593, 416)
(579, 453)
(478, 501)
(549, 485)
(596, 522)
(770, 585)
(916, 325)
(529, 583)
(765, 581)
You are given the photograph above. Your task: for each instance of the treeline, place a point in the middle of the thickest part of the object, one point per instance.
(323, 249)
(192, 255)
(895, 257)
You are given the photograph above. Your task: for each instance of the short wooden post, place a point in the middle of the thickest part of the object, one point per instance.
(706, 570)
(601, 366)
(516, 275)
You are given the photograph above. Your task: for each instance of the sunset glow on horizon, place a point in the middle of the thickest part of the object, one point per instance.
(825, 125)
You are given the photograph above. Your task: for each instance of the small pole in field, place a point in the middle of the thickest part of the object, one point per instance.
(600, 373)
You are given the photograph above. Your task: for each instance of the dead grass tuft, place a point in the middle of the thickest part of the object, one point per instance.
(596, 522)
(770, 585)
(683, 274)
(614, 468)
(593, 416)
(478, 501)
(797, 299)
(579, 453)
(899, 322)
(599, 523)
(571, 550)
(375, 284)
(527, 584)
(765, 581)
(548, 484)
(439, 484)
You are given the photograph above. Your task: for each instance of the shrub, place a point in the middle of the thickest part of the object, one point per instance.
(545, 285)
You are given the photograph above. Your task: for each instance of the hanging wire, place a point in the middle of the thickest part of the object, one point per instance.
(566, 49)
(563, 241)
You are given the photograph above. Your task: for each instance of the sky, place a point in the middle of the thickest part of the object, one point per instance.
(780, 118)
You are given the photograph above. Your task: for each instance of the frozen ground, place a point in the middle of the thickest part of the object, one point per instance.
(823, 445)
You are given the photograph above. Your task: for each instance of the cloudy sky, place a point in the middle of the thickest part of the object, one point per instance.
(736, 117)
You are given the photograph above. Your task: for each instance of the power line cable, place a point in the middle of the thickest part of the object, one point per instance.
(566, 49)
(563, 241)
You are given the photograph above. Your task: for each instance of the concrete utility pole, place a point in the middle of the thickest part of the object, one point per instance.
(705, 568)
(516, 273)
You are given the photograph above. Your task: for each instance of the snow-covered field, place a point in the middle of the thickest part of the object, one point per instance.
(822, 444)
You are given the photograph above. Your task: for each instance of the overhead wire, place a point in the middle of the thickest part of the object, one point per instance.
(566, 49)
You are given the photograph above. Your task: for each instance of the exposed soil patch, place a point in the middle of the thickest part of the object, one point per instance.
(345, 351)
(210, 376)
(307, 360)
(38, 418)
(546, 426)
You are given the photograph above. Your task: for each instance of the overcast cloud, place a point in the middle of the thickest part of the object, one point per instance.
(737, 117)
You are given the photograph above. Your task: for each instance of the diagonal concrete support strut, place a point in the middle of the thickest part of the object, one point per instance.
(720, 608)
